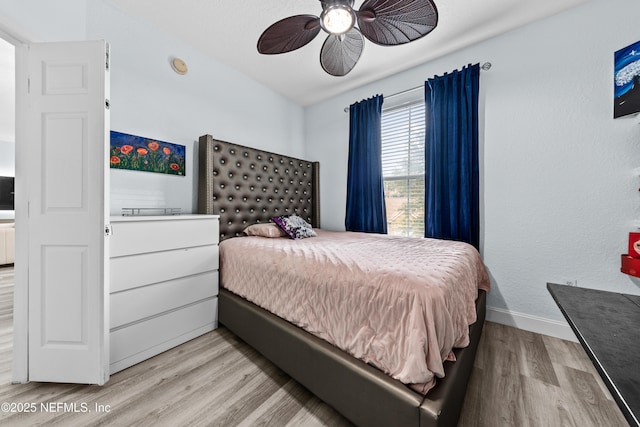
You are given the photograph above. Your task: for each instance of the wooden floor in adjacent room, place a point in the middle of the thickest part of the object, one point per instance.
(520, 379)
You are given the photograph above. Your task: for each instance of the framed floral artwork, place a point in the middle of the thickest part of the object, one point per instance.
(146, 155)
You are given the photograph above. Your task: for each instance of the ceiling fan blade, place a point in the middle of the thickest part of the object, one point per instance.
(340, 54)
(394, 22)
(289, 34)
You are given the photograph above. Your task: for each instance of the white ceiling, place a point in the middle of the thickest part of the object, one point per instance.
(228, 30)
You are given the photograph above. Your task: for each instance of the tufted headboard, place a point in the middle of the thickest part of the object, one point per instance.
(246, 186)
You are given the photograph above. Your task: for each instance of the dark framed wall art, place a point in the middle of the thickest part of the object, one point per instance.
(626, 81)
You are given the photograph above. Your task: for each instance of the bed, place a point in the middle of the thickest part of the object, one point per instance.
(247, 186)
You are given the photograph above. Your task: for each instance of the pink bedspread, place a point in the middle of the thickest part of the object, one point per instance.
(399, 304)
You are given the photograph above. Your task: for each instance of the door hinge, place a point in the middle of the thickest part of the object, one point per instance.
(107, 230)
(107, 105)
(107, 58)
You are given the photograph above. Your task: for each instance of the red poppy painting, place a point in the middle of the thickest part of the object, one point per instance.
(146, 155)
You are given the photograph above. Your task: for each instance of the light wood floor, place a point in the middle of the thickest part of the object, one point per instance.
(519, 379)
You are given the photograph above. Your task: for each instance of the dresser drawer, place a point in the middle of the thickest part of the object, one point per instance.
(142, 340)
(163, 278)
(135, 237)
(140, 303)
(144, 269)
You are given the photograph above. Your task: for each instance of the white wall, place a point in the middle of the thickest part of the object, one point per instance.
(7, 92)
(7, 157)
(558, 192)
(149, 99)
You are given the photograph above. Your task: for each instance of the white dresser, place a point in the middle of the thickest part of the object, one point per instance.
(164, 284)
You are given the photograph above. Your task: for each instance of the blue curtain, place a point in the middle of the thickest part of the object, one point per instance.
(365, 186)
(451, 149)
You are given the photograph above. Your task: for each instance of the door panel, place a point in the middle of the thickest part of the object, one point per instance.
(68, 186)
(64, 136)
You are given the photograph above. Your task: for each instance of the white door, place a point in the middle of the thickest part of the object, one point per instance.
(66, 132)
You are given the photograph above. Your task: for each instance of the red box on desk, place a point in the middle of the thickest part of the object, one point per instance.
(634, 245)
(630, 266)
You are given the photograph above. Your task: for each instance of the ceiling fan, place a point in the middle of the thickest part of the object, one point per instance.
(383, 22)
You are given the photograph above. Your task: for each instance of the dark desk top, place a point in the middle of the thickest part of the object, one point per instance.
(607, 325)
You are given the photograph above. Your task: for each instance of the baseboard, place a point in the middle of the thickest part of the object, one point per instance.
(539, 325)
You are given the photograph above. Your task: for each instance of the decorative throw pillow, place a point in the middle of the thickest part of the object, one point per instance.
(294, 226)
(264, 230)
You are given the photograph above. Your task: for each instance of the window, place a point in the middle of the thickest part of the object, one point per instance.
(403, 134)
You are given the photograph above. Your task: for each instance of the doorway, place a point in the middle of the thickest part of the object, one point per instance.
(7, 117)
(8, 168)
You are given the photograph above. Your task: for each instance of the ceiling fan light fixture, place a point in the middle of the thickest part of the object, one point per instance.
(337, 18)
(383, 22)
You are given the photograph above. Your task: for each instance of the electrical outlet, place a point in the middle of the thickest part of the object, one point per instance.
(571, 282)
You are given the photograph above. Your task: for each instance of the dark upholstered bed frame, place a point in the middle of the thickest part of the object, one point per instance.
(246, 186)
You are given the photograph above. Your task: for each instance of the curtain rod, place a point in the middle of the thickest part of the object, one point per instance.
(486, 67)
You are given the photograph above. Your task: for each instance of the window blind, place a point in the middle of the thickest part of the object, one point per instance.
(403, 163)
